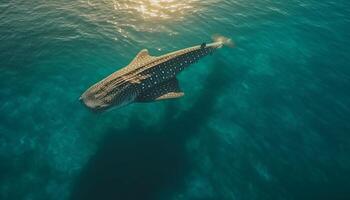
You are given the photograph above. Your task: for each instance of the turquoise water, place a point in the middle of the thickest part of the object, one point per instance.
(268, 119)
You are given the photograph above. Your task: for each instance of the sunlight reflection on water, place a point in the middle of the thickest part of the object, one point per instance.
(158, 9)
(127, 19)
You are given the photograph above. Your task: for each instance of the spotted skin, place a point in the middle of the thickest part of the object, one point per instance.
(166, 90)
(147, 78)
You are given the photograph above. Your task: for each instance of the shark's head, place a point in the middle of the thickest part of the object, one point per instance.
(102, 96)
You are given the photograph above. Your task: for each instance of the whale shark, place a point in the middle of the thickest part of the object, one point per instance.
(147, 78)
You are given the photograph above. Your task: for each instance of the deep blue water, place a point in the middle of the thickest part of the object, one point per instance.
(268, 119)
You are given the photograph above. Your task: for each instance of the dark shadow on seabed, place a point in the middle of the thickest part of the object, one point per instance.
(147, 162)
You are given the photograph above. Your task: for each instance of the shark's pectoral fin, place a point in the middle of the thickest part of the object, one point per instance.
(171, 95)
(167, 90)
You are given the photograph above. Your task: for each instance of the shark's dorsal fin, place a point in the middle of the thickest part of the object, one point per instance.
(141, 56)
(166, 90)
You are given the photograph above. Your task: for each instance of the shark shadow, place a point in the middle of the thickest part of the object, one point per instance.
(150, 162)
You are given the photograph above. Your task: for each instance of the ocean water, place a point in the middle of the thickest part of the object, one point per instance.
(268, 119)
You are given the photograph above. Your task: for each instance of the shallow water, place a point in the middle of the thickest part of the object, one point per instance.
(268, 119)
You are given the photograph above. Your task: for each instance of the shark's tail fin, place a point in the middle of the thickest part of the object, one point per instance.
(224, 40)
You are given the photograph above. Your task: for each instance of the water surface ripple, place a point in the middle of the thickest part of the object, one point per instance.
(268, 119)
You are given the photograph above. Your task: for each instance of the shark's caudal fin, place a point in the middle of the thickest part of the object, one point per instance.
(224, 40)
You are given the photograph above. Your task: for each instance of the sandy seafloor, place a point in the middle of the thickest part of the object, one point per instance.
(268, 119)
